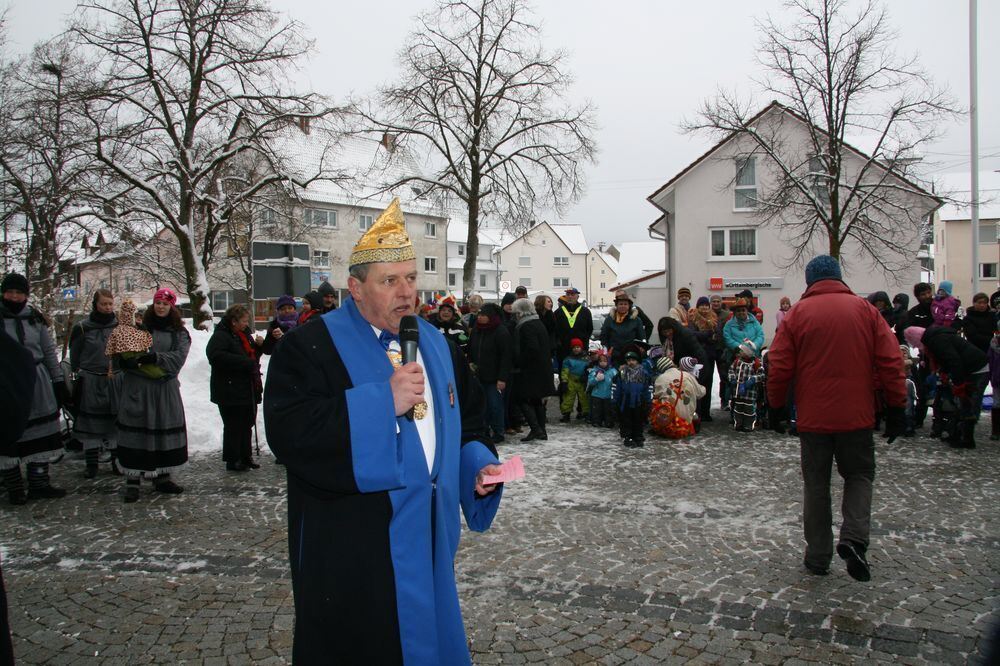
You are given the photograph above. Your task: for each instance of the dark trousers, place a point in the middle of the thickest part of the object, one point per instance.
(723, 367)
(706, 378)
(854, 453)
(632, 421)
(923, 393)
(237, 426)
(494, 408)
(600, 411)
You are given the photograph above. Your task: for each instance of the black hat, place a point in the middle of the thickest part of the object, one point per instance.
(326, 289)
(507, 299)
(315, 300)
(14, 281)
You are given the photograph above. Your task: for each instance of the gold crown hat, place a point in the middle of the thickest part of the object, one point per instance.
(386, 241)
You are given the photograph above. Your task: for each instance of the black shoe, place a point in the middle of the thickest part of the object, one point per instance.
(638, 443)
(542, 435)
(90, 472)
(46, 492)
(251, 464)
(628, 442)
(579, 416)
(238, 466)
(529, 437)
(131, 494)
(168, 487)
(817, 571)
(857, 565)
(498, 440)
(17, 497)
(707, 419)
(564, 419)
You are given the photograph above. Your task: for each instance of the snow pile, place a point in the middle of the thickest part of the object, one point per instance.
(204, 427)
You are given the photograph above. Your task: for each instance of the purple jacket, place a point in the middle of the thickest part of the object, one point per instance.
(944, 310)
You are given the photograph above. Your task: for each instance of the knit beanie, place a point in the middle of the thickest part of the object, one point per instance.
(913, 335)
(664, 363)
(507, 299)
(702, 300)
(576, 342)
(14, 281)
(285, 300)
(683, 291)
(822, 267)
(945, 286)
(325, 288)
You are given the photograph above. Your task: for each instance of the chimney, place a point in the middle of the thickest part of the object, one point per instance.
(600, 247)
(389, 142)
(304, 124)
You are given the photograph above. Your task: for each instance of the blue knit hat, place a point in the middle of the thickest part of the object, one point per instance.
(822, 267)
(945, 286)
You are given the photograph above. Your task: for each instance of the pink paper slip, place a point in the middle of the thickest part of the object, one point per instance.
(511, 470)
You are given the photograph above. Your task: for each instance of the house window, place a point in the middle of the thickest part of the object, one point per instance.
(524, 262)
(321, 258)
(316, 217)
(222, 300)
(733, 243)
(430, 230)
(746, 184)
(461, 250)
(266, 217)
(988, 271)
(482, 280)
(603, 285)
(988, 232)
(602, 271)
(129, 283)
(430, 264)
(365, 221)
(558, 282)
(451, 279)
(817, 173)
(560, 261)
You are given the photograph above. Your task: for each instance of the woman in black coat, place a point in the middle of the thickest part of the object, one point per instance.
(490, 354)
(533, 368)
(682, 340)
(967, 370)
(979, 322)
(236, 387)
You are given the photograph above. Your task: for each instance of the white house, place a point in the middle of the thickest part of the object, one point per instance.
(712, 239)
(602, 274)
(487, 271)
(548, 258)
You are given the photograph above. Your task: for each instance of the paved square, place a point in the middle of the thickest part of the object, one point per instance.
(677, 552)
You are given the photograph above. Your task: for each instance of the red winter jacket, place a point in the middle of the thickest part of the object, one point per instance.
(835, 347)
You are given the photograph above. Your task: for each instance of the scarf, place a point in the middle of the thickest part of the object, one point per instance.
(287, 322)
(248, 347)
(126, 337)
(160, 323)
(493, 323)
(703, 322)
(101, 318)
(619, 318)
(251, 351)
(14, 308)
(525, 319)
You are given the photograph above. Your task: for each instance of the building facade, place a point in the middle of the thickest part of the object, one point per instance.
(546, 259)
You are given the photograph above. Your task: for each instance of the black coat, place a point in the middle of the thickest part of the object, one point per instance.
(919, 315)
(17, 386)
(235, 377)
(978, 327)
(685, 343)
(953, 354)
(491, 352)
(617, 336)
(582, 328)
(532, 360)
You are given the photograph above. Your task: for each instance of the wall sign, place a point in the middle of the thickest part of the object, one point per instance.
(726, 284)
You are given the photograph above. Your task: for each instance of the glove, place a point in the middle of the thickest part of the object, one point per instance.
(562, 387)
(895, 423)
(63, 398)
(147, 359)
(777, 416)
(128, 363)
(960, 390)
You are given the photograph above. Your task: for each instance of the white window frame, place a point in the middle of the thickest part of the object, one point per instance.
(726, 245)
(461, 249)
(430, 230)
(321, 258)
(560, 261)
(982, 271)
(560, 282)
(329, 216)
(452, 279)
(229, 299)
(430, 264)
(524, 262)
(365, 221)
(267, 217)
(738, 188)
(482, 280)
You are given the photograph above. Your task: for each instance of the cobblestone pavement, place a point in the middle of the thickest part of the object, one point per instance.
(677, 552)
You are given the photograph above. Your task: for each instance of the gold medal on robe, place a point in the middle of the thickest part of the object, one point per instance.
(396, 358)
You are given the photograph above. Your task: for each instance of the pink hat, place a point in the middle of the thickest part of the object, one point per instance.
(165, 294)
(912, 334)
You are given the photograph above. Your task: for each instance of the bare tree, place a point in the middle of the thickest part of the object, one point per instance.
(46, 156)
(482, 97)
(193, 89)
(836, 72)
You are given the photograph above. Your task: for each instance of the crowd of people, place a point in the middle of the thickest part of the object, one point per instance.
(121, 388)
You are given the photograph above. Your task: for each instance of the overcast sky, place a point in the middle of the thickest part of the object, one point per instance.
(647, 65)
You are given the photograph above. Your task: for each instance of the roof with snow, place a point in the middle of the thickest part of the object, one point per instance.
(458, 232)
(637, 258)
(957, 187)
(572, 236)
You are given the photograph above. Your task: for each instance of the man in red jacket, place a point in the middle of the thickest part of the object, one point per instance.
(831, 349)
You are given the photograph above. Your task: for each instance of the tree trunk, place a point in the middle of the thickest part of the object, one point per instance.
(195, 283)
(471, 250)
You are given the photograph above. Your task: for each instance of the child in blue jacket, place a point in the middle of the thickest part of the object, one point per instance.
(600, 380)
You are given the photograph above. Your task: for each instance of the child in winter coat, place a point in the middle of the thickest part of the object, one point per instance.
(911, 390)
(574, 373)
(944, 307)
(631, 393)
(675, 398)
(744, 375)
(600, 380)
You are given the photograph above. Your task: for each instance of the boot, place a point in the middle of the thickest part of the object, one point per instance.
(15, 486)
(163, 484)
(540, 415)
(565, 418)
(995, 424)
(114, 463)
(952, 432)
(131, 491)
(90, 457)
(39, 486)
(531, 416)
(966, 436)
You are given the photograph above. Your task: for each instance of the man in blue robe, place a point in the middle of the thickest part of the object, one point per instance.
(373, 495)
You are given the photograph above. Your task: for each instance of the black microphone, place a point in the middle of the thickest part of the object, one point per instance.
(409, 335)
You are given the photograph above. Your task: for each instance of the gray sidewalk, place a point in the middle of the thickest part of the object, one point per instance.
(678, 552)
